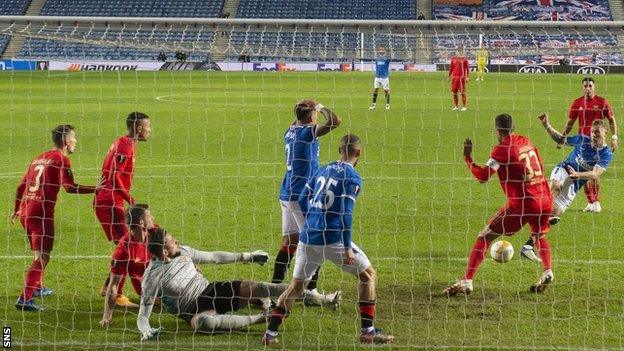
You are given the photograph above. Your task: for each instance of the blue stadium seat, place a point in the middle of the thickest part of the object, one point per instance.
(344, 9)
(133, 8)
(13, 7)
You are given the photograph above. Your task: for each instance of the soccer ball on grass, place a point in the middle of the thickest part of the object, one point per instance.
(502, 251)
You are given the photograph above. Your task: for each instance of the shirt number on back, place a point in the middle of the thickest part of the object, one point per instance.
(531, 164)
(39, 169)
(323, 190)
(288, 164)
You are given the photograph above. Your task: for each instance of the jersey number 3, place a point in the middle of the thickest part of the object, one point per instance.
(39, 169)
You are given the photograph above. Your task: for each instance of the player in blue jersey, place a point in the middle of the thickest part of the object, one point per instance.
(589, 159)
(301, 146)
(382, 80)
(328, 201)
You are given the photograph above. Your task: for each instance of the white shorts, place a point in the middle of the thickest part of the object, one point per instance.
(292, 217)
(310, 257)
(382, 83)
(568, 188)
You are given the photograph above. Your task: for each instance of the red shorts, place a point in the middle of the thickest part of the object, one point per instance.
(113, 220)
(40, 232)
(458, 85)
(509, 220)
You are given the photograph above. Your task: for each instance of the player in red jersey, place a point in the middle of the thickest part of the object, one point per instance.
(115, 183)
(130, 257)
(586, 109)
(459, 71)
(521, 173)
(35, 199)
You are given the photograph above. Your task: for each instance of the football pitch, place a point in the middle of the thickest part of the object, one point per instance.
(211, 174)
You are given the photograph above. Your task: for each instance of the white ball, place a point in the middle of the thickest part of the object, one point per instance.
(502, 251)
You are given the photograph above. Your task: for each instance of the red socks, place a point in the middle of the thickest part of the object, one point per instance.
(464, 99)
(455, 99)
(545, 253)
(477, 255)
(34, 276)
(591, 191)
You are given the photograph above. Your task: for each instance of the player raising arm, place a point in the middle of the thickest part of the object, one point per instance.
(328, 201)
(301, 144)
(35, 200)
(184, 292)
(519, 166)
(589, 159)
(587, 109)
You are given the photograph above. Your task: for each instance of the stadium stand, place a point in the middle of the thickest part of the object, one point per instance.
(526, 10)
(4, 41)
(13, 7)
(133, 8)
(529, 49)
(105, 43)
(328, 9)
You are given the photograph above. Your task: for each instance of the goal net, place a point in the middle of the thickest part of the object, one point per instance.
(220, 100)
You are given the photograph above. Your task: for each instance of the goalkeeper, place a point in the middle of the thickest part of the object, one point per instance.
(482, 61)
(185, 292)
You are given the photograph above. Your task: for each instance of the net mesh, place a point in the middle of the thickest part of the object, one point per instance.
(212, 170)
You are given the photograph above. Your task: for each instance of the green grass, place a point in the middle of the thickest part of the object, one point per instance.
(212, 173)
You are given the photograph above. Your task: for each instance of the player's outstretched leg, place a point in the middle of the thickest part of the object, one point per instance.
(210, 322)
(547, 276)
(477, 255)
(282, 310)
(366, 300)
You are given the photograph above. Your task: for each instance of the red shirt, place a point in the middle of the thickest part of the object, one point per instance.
(520, 170)
(459, 68)
(39, 188)
(117, 172)
(130, 257)
(587, 110)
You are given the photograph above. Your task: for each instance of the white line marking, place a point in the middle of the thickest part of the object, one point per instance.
(186, 165)
(344, 342)
(373, 258)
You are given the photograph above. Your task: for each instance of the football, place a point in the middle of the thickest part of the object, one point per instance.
(502, 251)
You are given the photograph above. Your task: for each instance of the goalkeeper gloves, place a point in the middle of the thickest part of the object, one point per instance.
(151, 334)
(260, 257)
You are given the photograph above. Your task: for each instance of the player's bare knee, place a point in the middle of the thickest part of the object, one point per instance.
(368, 275)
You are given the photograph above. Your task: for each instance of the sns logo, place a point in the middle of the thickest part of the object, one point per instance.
(591, 70)
(6, 337)
(532, 69)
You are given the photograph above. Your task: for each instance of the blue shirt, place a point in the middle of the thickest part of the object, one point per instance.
(327, 203)
(302, 149)
(382, 68)
(584, 156)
